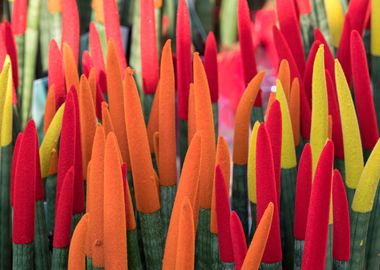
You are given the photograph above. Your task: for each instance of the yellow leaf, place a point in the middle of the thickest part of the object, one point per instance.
(288, 154)
(353, 153)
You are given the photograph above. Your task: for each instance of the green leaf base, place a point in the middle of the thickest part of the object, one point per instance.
(203, 240)
(240, 194)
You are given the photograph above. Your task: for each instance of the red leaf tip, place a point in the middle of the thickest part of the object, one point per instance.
(223, 218)
(266, 193)
(319, 209)
(64, 211)
(183, 65)
(303, 190)
(211, 66)
(24, 187)
(239, 244)
(341, 233)
(19, 16)
(363, 94)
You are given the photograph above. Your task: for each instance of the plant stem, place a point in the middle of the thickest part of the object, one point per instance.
(203, 240)
(5, 208)
(152, 238)
(22, 256)
(240, 194)
(41, 241)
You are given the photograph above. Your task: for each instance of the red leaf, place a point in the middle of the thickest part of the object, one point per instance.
(14, 164)
(87, 63)
(314, 256)
(70, 26)
(223, 218)
(55, 73)
(307, 76)
(39, 189)
(66, 158)
(184, 60)
(19, 16)
(357, 13)
(343, 53)
(363, 95)
(64, 211)
(112, 26)
(211, 66)
(284, 52)
(97, 56)
(341, 234)
(290, 28)
(24, 188)
(329, 58)
(303, 190)
(149, 55)
(239, 243)
(78, 170)
(337, 136)
(247, 49)
(304, 6)
(274, 126)
(266, 193)
(11, 50)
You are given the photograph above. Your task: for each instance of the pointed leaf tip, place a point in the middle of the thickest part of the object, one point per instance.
(211, 66)
(319, 210)
(363, 95)
(251, 165)
(337, 136)
(144, 176)
(55, 73)
(303, 190)
(239, 244)
(341, 233)
(64, 211)
(166, 120)
(184, 58)
(319, 116)
(204, 124)
(115, 246)
(77, 256)
(242, 120)
(288, 155)
(247, 49)
(223, 161)
(368, 183)
(186, 237)
(67, 143)
(256, 249)
(188, 187)
(78, 183)
(149, 57)
(96, 197)
(223, 218)
(274, 126)
(266, 193)
(353, 152)
(24, 187)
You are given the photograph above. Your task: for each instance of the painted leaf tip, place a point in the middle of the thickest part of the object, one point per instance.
(341, 225)
(223, 218)
(24, 187)
(303, 190)
(266, 192)
(64, 211)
